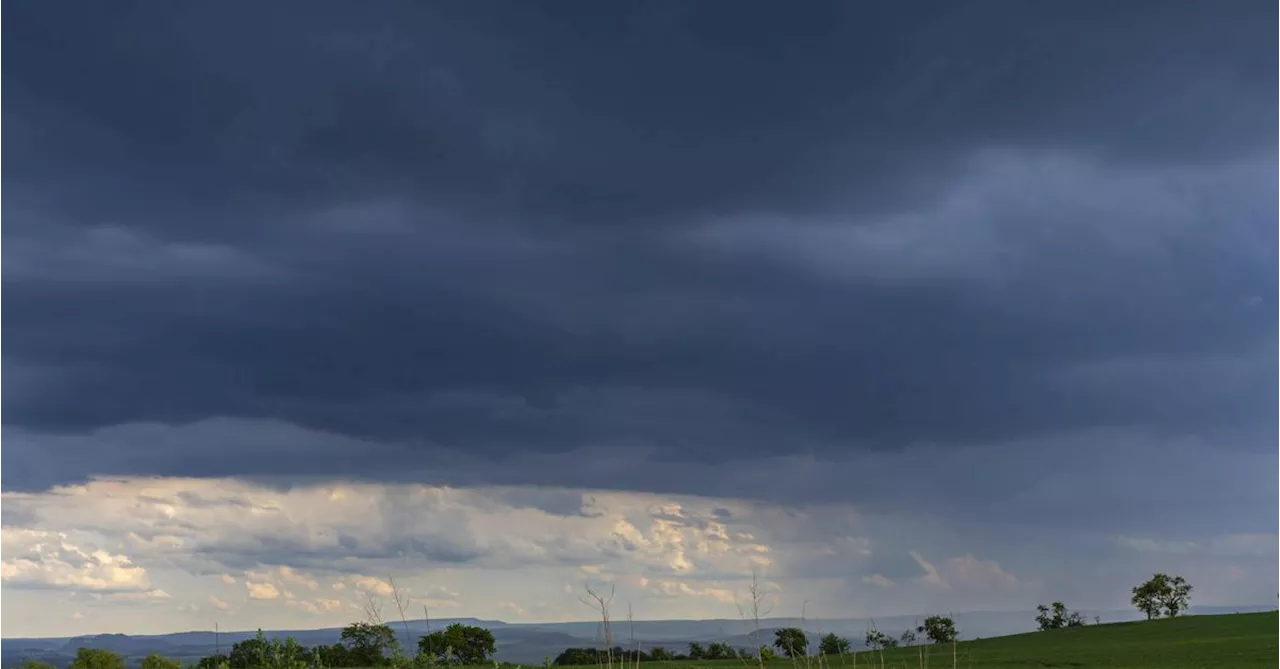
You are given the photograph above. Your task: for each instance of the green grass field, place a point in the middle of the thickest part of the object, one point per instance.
(1238, 640)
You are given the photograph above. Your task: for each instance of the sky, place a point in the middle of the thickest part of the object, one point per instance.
(904, 307)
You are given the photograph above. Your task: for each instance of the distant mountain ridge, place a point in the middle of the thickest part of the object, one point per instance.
(530, 643)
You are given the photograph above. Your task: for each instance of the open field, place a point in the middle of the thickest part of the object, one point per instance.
(1236, 640)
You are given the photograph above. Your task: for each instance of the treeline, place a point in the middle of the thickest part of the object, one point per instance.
(607, 656)
(361, 645)
(367, 645)
(790, 642)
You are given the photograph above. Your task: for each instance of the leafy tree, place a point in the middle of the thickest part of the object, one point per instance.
(792, 641)
(1146, 598)
(576, 657)
(876, 640)
(720, 650)
(158, 661)
(263, 653)
(458, 644)
(659, 653)
(1057, 617)
(96, 658)
(767, 654)
(1045, 621)
(1175, 597)
(336, 655)
(248, 653)
(287, 654)
(587, 656)
(214, 662)
(1170, 594)
(368, 645)
(908, 638)
(697, 652)
(832, 644)
(940, 629)
(36, 664)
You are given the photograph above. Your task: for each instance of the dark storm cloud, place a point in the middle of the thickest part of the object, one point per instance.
(709, 235)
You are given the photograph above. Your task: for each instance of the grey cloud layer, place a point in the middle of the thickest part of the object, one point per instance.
(462, 233)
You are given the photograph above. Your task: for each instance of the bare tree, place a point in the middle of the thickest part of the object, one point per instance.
(754, 609)
(372, 609)
(600, 603)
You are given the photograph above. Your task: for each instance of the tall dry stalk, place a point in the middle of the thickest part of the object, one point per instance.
(804, 607)
(955, 635)
(426, 619)
(401, 601)
(635, 646)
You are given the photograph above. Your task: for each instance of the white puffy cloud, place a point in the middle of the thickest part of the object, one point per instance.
(46, 559)
(262, 590)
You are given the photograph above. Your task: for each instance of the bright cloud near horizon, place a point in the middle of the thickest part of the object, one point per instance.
(936, 307)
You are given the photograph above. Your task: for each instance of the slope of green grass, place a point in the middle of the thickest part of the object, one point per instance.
(1241, 641)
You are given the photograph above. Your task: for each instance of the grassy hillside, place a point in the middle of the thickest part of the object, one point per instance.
(1237, 641)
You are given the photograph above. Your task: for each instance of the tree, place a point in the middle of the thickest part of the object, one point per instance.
(458, 644)
(908, 638)
(368, 644)
(1146, 598)
(96, 658)
(1057, 617)
(335, 655)
(36, 664)
(248, 653)
(696, 651)
(791, 641)
(876, 640)
(579, 657)
(832, 644)
(659, 653)
(261, 653)
(1176, 596)
(1044, 620)
(220, 662)
(940, 629)
(158, 661)
(720, 650)
(767, 654)
(1170, 594)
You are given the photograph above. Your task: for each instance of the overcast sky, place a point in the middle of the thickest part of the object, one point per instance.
(907, 306)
